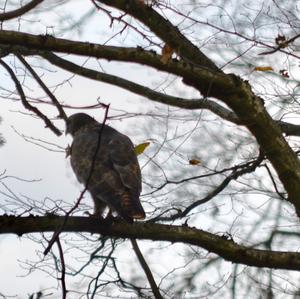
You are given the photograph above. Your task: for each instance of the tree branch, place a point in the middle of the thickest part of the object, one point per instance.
(63, 269)
(146, 269)
(149, 93)
(190, 104)
(223, 84)
(26, 104)
(237, 171)
(165, 30)
(54, 100)
(20, 11)
(227, 249)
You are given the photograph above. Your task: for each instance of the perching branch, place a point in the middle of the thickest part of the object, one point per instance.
(227, 249)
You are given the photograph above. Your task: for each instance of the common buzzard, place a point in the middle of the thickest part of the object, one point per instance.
(104, 160)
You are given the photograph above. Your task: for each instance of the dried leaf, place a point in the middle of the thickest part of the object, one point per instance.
(140, 148)
(263, 68)
(194, 162)
(166, 53)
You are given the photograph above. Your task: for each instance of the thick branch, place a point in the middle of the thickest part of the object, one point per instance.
(230, 89)
(191, 104)
(227, 249)
(165, 30)
(222, 83)
(149, 93)
(8, 39)
(215, 84)
(20, 11)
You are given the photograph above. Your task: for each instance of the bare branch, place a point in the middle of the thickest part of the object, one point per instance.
(281, 45)
(146, 269)
(62, 113)
(26, 104)
(227, 249)
(140, 89)
(237, 171)
(165, 30)
(192, 104)
(20, 11)
(63, 268)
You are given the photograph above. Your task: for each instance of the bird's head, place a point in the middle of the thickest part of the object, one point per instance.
(78, 121)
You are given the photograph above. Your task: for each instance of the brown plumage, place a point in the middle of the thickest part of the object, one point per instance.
(116, 176)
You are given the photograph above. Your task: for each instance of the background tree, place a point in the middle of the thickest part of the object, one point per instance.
(217, 86)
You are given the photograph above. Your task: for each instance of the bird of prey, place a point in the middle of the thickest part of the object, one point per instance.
(104, 160)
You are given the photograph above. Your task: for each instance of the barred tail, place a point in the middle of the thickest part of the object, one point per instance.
(132, 207)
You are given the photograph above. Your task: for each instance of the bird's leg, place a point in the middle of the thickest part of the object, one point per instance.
(110, 217)
(99, 208)
(109, 214)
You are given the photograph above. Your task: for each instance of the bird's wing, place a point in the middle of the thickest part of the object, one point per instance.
(125, 162)
(123, 157)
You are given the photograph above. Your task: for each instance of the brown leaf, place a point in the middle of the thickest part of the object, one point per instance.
(263, 68)
(194, 162)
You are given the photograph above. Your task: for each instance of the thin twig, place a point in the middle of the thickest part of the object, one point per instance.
(146, 269)
(280, 194)
(54, 100)
(26, 104)
(63, 269)
(237, 171)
